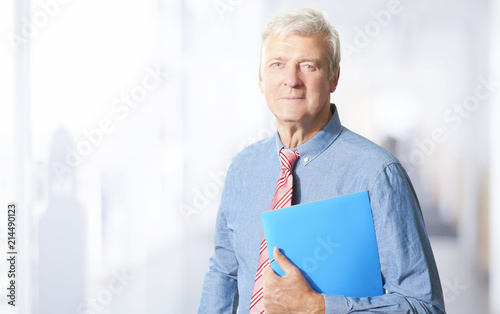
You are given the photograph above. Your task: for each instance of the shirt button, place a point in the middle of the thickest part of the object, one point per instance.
(306, 159)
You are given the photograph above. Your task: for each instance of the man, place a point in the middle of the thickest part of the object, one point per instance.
(299, 70)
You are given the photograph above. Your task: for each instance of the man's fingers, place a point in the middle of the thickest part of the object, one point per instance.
(283, 262)
(268, 273)
(270, 278)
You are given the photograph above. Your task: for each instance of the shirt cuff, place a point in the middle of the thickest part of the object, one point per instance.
(335, 303)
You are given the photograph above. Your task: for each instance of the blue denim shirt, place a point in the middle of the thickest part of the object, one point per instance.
(335, 162)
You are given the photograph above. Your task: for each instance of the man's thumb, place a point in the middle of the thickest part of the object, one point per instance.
(282, 261)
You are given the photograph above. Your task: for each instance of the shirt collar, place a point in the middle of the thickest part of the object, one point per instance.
(316, 145)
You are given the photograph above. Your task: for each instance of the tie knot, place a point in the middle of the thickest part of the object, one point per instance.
(288, 158)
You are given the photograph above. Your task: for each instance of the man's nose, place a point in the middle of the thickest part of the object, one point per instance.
(292, 77)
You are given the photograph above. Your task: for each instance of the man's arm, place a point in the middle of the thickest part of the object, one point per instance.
(219, 293)
(409, 272)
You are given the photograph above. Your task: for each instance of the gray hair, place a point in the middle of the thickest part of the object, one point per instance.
(308, 22)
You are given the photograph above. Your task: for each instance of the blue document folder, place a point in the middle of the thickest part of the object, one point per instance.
(331, 241)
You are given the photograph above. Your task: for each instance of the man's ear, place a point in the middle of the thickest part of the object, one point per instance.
(334, 81)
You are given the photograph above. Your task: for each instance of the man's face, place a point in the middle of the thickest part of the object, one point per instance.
(295, 81)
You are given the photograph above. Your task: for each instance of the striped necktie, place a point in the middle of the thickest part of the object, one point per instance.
(282, 198)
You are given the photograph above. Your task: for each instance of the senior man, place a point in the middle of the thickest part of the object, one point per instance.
(299, 70)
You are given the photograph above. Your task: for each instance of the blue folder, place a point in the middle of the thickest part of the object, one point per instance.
(331, 241)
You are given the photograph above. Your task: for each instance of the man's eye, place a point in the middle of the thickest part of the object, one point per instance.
(277, 64)
(309, 67)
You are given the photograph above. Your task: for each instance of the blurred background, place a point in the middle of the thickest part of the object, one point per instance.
(119, 118)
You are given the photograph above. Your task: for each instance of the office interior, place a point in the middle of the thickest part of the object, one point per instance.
(119, 119)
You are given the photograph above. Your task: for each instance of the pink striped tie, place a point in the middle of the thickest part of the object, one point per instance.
(282, 198)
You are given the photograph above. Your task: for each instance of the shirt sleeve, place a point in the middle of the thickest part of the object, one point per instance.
(219, 292)
(409, 273)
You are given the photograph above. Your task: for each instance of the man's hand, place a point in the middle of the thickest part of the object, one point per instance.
(290, 293)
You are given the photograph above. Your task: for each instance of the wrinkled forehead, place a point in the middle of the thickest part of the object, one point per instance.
(313, 45)
(283, 35)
